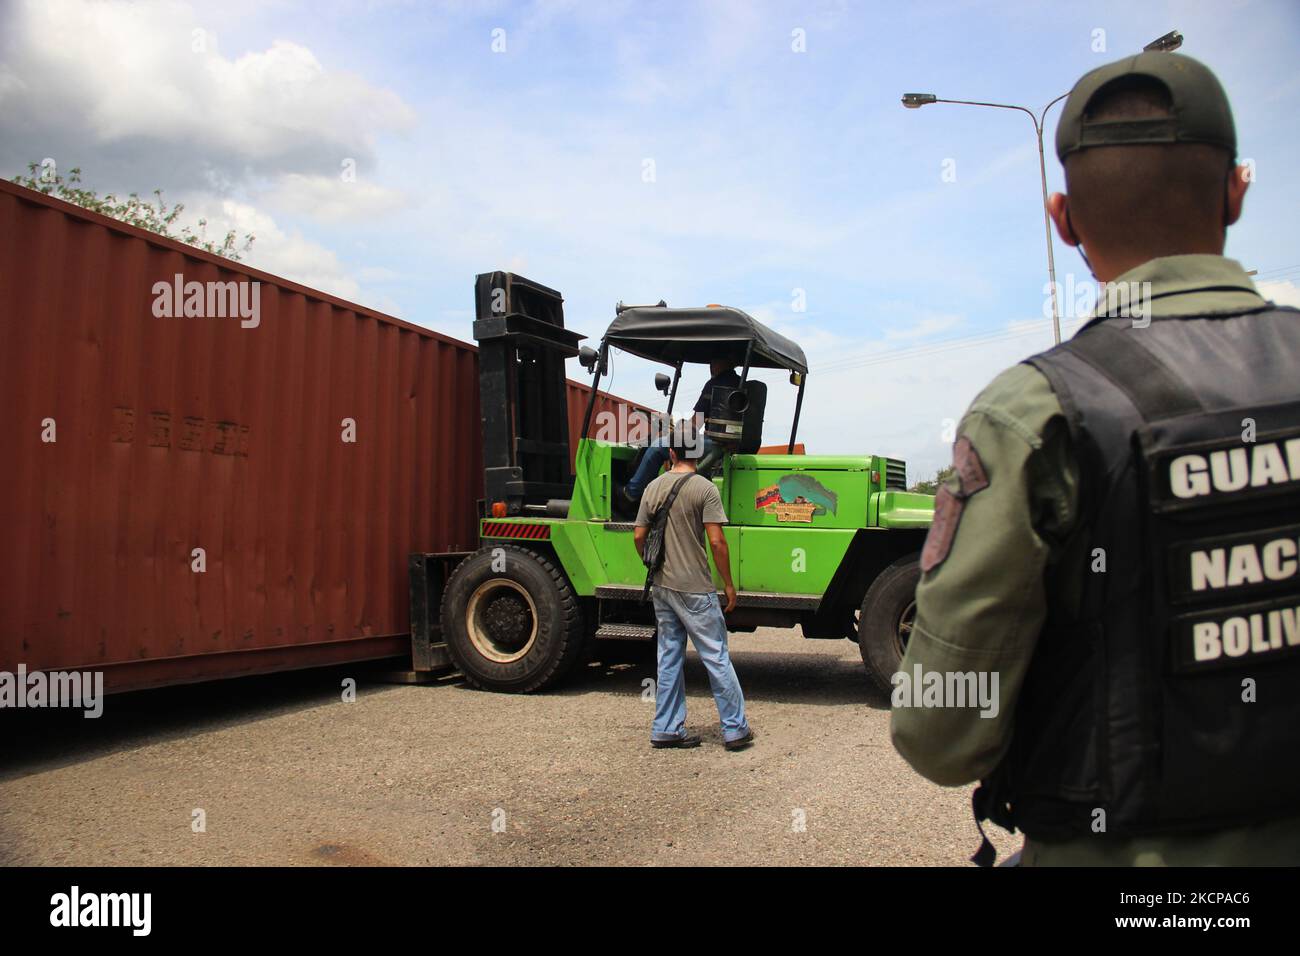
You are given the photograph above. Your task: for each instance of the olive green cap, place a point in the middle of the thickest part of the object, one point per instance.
(1200, 112)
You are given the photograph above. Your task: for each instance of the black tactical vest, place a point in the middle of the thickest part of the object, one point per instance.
(1168, 699)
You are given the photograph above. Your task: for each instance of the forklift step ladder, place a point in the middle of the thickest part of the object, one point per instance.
(626, 632)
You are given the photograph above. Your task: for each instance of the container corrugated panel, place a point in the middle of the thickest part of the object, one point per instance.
(579, 395)
(176, 434)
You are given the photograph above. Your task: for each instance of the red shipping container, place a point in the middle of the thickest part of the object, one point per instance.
(183, 433)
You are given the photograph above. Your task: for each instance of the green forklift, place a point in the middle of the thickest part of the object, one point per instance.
(827, 543)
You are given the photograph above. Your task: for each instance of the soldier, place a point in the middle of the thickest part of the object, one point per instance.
(1118, 543)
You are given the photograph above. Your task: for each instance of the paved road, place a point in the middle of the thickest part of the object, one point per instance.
(287, 773)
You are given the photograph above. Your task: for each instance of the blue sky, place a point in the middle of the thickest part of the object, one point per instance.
(774, 170)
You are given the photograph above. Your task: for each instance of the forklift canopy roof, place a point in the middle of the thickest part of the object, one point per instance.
(702, 335)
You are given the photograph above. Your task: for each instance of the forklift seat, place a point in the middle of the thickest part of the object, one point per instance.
(735, 417)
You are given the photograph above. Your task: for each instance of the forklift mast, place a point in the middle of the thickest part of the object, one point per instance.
(522, 341)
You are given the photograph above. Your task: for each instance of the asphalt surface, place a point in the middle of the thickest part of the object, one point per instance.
(287, 773)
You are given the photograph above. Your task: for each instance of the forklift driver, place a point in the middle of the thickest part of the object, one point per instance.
(656, 455)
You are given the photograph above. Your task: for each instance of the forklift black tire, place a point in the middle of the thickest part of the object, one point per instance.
(511, 620)
(886, 619)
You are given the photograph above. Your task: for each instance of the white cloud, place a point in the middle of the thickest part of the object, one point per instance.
(334, 199)
(925, 327)
(1283, 293)
(287, 254)
(143, 88)
(378, 274)
(139, 95)
(902, 408)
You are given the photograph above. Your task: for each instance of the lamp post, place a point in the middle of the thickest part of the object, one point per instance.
(1168, 43)
(914, 101)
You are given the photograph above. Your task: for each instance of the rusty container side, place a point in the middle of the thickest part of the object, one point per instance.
(177, 434)
(579, 395)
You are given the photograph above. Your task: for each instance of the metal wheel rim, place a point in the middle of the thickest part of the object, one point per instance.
(904, 630)
(483, 641)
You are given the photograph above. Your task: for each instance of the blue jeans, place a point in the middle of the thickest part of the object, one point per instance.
(656, 456)
(679, 614)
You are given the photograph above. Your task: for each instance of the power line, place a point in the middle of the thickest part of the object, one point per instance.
(1288, 276)
(1267, 272)
(933, 348)
(868, 359)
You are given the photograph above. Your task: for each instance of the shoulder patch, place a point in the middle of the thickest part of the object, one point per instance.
(969, 468)
(948, 505)
(947, 512)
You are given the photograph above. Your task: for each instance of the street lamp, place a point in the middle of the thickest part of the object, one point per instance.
(1168, 43)
(914, 101)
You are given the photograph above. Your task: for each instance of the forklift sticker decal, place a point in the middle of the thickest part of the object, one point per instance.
(796, 498)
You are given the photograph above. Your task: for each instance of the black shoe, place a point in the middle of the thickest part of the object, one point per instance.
(682, 743)
(630, 505)
(740, 743)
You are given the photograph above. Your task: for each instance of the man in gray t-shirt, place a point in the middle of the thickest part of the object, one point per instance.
(686, 602)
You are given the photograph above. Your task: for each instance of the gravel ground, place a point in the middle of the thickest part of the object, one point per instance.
(288, 774)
